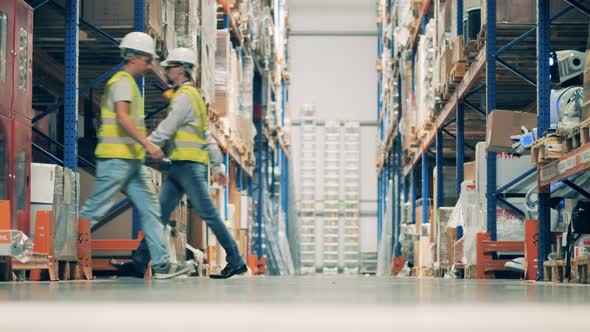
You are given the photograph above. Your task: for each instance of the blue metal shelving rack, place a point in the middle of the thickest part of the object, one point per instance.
(407, 174)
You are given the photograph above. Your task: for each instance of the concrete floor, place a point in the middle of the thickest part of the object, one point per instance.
(293, 304)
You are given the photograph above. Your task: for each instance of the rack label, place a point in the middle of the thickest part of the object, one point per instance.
(566, 165)
(585, 157)
(548, 173)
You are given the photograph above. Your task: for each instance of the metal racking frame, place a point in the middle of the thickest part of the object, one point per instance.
(487, 59)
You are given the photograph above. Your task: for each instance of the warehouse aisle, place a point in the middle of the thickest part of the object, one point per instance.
(292, 304)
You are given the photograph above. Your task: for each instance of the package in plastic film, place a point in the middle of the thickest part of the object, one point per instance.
(186, 23)
(444, 214)
(16, 244)
(509, 227)
(66, 216)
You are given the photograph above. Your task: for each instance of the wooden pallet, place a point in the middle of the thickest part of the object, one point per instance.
(540, 154)
(465, 271)
(554, 271)
(457, 72)
(441, 271)
(580, 269)
(585, 132)
(572, 141)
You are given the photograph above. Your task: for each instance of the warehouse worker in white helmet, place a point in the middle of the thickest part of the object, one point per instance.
(121, 150)
(185, 132)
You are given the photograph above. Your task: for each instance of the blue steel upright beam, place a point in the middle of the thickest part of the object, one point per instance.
(414, 193)
(459, 157)
(459, 118)
(394, 194)
(71, 85)
(425, 178)
(459, 17)
(259, 153)
(490, 106)
(139, 24)
(379, 205)
(400, 180)
(543, 121)
(439, 171)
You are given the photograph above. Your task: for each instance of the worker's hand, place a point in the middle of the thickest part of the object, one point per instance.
(154, 151)
(221, 180)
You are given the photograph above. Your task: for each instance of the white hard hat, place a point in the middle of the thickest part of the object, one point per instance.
(139, 41)
(180, 55)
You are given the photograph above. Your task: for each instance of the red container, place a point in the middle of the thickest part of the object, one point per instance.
(16, 49)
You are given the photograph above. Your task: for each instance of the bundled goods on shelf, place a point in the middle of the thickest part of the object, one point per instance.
(56, 189)
(262, 32)
(507, 166)
(186, 23)
(407, 238)
(449, 194)
(467, 215)
(419, 217)
(404, 23)
(424, 78)
(408, 118)
(406, 217)
(207, 35)
(223, 76)
(446, 237)
(470, 211)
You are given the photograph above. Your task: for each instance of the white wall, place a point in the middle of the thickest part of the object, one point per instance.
(337, 74)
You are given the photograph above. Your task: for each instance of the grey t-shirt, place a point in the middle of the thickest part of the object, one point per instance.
(181, 113)
(120, 91)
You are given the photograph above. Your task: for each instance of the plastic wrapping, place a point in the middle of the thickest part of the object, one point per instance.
(16, 244)
(207, 35)
(424, 76)
(468, 215)
(186, 23)
(66, 214)
(442, 241)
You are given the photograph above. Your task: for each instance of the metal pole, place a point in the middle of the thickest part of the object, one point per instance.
(414, 193)
(400, 180)
(139, 23)
(425, 178)
(460, 151)
(490, 106)
(459, 18)
(439, 170)
(71, 85)
(543, 95)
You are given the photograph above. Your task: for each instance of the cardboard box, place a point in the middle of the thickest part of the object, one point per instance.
(109, 13)
(458, 50)
(469, 171)
(502, 124)
(197, 231)
(43, 178)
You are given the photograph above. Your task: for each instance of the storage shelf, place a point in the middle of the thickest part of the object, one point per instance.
(568, 165)
(472, 77)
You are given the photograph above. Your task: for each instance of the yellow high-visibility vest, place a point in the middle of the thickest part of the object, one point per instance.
(113, 140)
(189, 142)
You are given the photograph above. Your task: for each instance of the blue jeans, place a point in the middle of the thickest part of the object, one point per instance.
(131, 177)
(191, 178)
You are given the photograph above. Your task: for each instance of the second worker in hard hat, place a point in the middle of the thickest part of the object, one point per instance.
(185, 132)
(121, 151)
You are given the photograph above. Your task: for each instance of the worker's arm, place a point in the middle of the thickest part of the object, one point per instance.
(180, 113)
(215, 155)
(123, 120)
